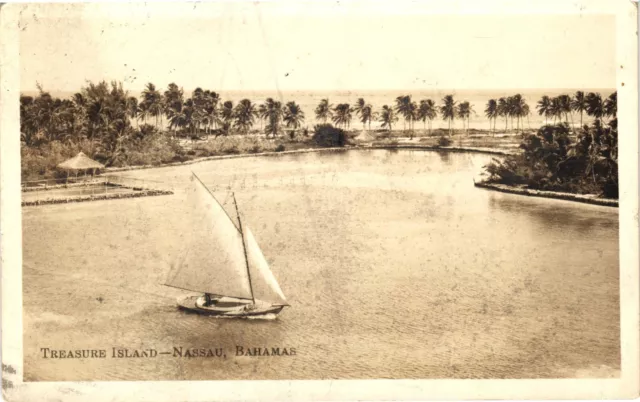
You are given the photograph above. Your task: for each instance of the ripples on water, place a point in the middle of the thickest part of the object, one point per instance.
(394, 264)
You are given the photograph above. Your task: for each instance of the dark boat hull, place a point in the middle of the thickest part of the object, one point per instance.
(241, 309)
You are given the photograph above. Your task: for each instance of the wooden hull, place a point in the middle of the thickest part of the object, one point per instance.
(237, 309)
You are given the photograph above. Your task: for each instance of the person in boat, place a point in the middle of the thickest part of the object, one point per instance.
(208, 301)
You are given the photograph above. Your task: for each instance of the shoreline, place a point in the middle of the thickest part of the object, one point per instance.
(488, 151)
(46, 187)
(582, 198)
(101, 197)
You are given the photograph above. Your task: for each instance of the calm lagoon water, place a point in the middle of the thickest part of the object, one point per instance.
(394, 264)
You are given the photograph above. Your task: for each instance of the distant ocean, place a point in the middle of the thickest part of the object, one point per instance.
(308, 100)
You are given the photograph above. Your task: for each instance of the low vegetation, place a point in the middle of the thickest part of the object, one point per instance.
(325, 135)
(554, 160)
(444, 141)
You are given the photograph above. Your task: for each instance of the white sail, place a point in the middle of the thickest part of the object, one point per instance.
(265, 286)
(213, 259)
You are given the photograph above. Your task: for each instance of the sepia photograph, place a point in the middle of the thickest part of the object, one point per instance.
(276, 191)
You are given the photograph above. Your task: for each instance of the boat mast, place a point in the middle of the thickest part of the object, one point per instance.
(244, 246)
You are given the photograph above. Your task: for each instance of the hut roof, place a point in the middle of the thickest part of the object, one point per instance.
(80, 162)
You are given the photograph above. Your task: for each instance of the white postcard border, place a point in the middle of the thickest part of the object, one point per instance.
(624, 387)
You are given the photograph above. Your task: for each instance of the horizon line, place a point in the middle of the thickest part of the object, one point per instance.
(348, 90)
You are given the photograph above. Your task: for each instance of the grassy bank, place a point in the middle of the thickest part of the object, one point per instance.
(40, 162)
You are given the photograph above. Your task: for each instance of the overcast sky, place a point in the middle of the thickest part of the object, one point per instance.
(261, 47)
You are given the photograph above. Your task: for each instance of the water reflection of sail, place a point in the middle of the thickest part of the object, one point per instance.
(223, 261)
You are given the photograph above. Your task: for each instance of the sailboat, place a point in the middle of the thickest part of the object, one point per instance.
(222, 261)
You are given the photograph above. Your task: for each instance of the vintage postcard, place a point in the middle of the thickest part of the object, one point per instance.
(289, 200)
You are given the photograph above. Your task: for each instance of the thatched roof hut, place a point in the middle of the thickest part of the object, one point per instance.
(80, 162)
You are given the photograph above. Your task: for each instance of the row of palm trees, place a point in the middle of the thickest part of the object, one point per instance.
(561, 108)
(99, 108)
(425, 110)
(205, 110)
(510, 107)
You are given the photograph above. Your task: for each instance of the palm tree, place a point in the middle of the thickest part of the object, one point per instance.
(491, 111)
(579, 104)
(200, 103)
(324, 111)
(132, 107)
(293, 115)
(187, 117)
(518, 109)
(342, 115)
(611, 105)
(511, 109)
(503, 111)
(107, 117)
(262, 113)
(226, 113)
(448, 110)
(464, 111)
(211, 109)
(544, 107)
(388, 117)
(427, 111)
(273, 113)
(357, 108)
(152, 103)
(421, 114)
(367, 115)
(412, 112)
(564, 104)
(364, 111)
(408, 109)
(173, 102)
(555, 110)
(595, 105)
(244, 115)
(176, 116)
(28, 121)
